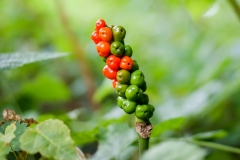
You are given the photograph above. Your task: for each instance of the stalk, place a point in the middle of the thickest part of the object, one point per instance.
(13, 152)
(143, 144)
(236, 7)
(144, 129)
(216, 146)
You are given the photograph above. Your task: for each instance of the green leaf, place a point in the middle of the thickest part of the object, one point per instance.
(114, 141)
(4, 151)
(174, 150)
(171, 124)
(51, 138)
(46, 87)
(103, 91)
(5, 139)
(20, 129)
(4, 126)
(18, 59)
(198, 8)
(213, 145)
(210, 135)
(9, 134)
(85, 137)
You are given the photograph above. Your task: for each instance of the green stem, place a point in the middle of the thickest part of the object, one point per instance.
(235, 7)
(143, 144)
(215, 146)
(13, 152)
(25, 158)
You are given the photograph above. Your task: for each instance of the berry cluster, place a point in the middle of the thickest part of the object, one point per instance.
(127, 79)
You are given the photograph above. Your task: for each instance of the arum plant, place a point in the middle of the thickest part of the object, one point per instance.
(128, 81)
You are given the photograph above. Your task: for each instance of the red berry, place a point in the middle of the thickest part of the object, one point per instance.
(126, 63)
(99, 24)
(103, 49)
(113, 62)
(114, 83)
(109, 73)
(105, 34)
(96, 39)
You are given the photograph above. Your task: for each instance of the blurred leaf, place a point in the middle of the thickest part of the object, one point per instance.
(214, 145)
(103, 91)
(174, 150)
(128, 152)
(210, 135)
(51, 138)
(18, 59)
(4, 151)
(88, 131)
(219, 155)
(115, 139)
(46, 87)
(198, 8)
(85, 137)
(106, 122)
(44, 117)
(171, 124)
(5, 139)
(203, 99)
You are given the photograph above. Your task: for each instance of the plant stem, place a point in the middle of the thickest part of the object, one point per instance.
(143, 144)
(215, 146)
(143, 128)
(235, 7)
(13, 152)
(25, 158)
(83, 64)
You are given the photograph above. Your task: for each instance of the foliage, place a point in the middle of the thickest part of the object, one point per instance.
(20, 129)
(210, 135)
(117, 138)
(51, 138)
(171, 150)
(5, 139)
(14, 60)
(188, 50)
(171, 124)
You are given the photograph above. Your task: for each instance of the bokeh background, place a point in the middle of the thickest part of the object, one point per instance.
(189, 52)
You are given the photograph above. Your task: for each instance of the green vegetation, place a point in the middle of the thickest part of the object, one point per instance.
(50, 71)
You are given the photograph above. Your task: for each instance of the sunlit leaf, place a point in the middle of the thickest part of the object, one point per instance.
(4, 151)
(113, 141)
(198, 8)
(5, 140)
(18, 59)
(210, 135)
(51, 139)
(9, 134)
(175, 150)
(171, 124)
(85, 137)
(46, 87)
(103, 91)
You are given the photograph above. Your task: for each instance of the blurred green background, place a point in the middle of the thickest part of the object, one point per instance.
(189, 52)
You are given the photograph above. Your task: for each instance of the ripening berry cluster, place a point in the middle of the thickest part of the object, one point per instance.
(127, 79)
